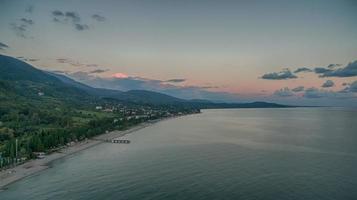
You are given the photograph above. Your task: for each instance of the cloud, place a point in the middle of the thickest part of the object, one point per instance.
(97, 71)
(177, 80)
(91, 65)
(331, 66)
(283, 75)
(353, 87)
(3, 46)
(27, 21)
(332, 70)
(27, 59)
(349, 70)
(200, 92)
(19, 29)
(298, 89)
(284, 92)
(73, 16)
(69, 61)
(98, 18)
(321, 70)
(81, 27)
(314, 93)
(74, 63)
(57, 13)
(69, 17)
(328, 83)
(302, 69)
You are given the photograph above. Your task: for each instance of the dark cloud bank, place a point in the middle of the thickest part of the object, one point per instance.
(349, 70)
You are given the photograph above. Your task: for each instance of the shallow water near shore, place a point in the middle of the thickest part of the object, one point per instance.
(292, 153)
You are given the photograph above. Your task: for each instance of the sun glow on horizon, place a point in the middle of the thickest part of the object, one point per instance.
(120, 75)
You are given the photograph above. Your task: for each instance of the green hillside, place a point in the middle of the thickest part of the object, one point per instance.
(44, 113)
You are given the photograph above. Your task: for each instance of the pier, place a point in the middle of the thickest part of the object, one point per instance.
(115, 140)
(120, 141)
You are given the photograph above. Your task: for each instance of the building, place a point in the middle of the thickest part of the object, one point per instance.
(39, 155)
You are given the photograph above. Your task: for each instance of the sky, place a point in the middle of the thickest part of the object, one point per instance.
(294, 52)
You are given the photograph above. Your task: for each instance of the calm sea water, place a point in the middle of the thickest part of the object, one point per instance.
(299, 153)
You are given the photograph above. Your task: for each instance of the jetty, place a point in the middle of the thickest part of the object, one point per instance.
(120, 141)
(115, 140)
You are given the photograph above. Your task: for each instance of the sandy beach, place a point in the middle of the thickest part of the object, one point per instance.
(33, 166)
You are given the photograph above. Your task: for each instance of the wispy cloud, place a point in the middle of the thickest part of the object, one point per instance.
(21, 26)
(177, 80)
(284, 92)
(72, 16)
(19, 29)
(69, 17)
(70, 62)
(97, 71)
(27, 21)
(91, 65)
(98, 18)
(27, 59)
(298, 89)
(57, 13)
(81, 27)
(3, 46)
(314, 93)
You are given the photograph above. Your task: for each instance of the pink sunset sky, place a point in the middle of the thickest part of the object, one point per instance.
(246, 50)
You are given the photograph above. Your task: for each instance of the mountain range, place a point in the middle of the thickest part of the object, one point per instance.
(23, 79)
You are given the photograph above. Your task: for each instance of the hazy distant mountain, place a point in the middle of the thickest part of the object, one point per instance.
(138, 96)
(29, 81)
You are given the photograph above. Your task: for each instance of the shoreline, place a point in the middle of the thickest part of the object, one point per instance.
(34, 166)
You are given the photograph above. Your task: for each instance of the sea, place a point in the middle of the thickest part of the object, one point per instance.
(270, 154)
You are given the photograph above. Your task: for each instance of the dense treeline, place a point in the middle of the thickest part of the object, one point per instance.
(49, 139)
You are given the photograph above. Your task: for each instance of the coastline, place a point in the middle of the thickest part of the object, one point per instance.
(34, 166)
